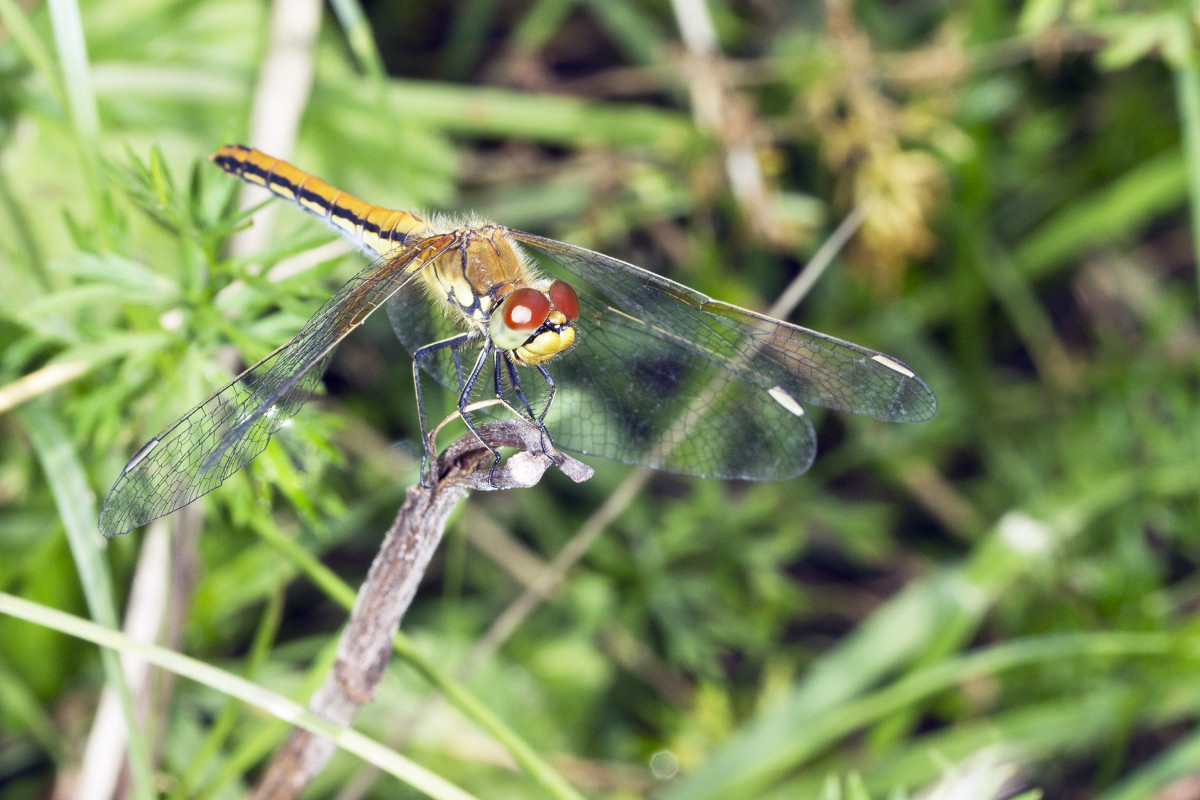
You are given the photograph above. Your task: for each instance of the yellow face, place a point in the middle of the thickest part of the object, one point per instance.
(558, 336)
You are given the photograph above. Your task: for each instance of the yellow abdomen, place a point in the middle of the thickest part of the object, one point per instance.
(377, 230)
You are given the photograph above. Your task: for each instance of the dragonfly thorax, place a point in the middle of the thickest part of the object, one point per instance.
(476, 272)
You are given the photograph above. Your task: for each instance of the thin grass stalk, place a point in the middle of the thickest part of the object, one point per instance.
(252, 750)
(922, 685)
(360, 38)
(72, 495)
(218, 734)
(1187, 95)
(347, 739)
(81, 104)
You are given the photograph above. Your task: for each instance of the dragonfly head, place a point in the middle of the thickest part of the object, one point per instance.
(535, 325)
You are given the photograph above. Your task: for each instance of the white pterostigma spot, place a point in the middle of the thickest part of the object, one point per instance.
(140, 454)
(894, 365)
(786, 400)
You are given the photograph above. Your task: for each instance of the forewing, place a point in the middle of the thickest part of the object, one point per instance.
(628, 393)
(782, 360)
(225, 432)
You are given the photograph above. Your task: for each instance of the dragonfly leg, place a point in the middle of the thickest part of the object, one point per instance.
(545, 373)
(550, 397)
(458, 373)
(515, 381)
(464, 400)
(537, 420)
(428, 449)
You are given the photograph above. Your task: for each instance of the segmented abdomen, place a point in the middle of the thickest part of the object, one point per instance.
(378, 230)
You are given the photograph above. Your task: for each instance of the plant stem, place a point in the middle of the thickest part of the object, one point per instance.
(1187, 94)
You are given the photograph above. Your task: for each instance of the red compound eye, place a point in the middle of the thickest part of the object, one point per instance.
(525, 310)
(565, 300)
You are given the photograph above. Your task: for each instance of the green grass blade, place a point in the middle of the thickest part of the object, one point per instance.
(358, 34)
(1108, 216)
(822, 730)
(1187, 92)
(287, 710)
(1153, 778)
(77, 77)
(81, 103)
(77, 510)
(17, 26)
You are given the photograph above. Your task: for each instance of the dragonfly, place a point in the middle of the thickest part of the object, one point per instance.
(603, 357)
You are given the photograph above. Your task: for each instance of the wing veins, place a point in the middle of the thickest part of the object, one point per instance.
(172, 474)
(811, 366)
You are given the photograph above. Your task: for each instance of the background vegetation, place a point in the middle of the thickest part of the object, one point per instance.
(1002, 598)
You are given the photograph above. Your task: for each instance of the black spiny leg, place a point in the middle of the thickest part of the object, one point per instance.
(428, 452)
(514, 380)
(464, 399)
(549, 398)
(457, 366)
(541, 420)
(537, 420)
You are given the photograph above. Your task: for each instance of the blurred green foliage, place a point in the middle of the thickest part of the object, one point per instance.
(1003, 598)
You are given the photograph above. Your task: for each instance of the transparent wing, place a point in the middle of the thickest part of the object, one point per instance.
(810, 367)
(667, 377)
(225, 432)
(627, 394)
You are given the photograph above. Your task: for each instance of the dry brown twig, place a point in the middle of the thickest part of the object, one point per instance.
(391, 584)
